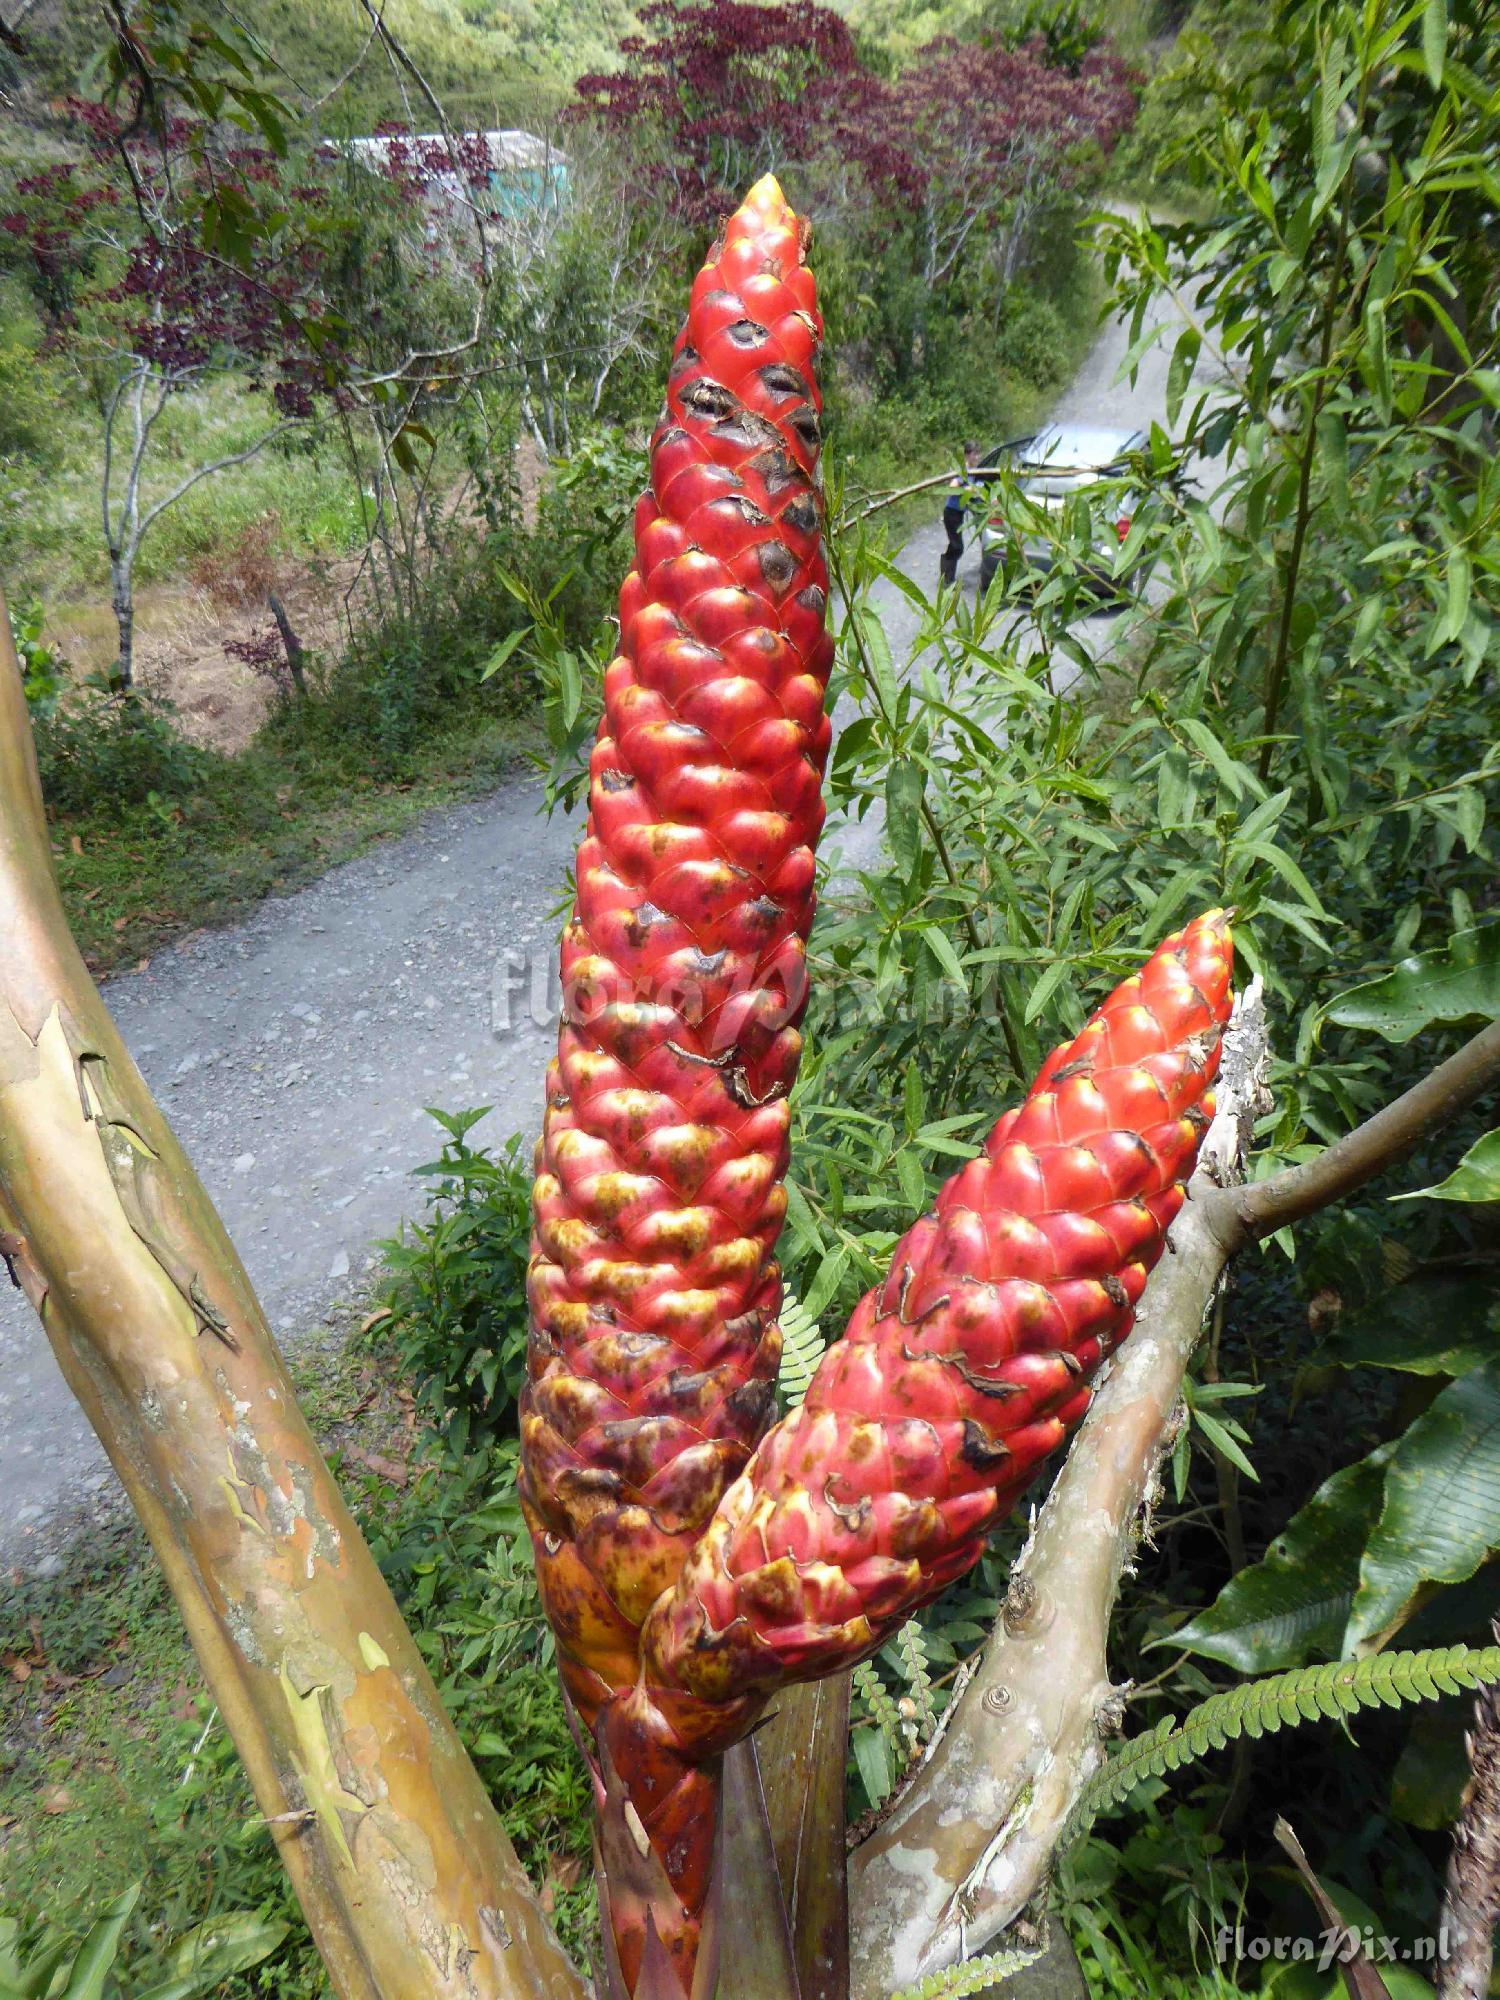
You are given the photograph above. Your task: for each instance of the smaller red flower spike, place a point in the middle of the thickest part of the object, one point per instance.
(964, 1369)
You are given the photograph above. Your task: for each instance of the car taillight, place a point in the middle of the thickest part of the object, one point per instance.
(1122, 526)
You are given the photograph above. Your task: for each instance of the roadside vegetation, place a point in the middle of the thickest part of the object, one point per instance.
(1302, 725)
(270, 298)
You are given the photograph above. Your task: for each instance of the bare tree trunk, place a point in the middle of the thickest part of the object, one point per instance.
(1471, 1904)
(409, 1885)
(122, 603)
(296, 657)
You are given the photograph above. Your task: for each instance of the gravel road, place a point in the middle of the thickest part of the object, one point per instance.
(295, 1052)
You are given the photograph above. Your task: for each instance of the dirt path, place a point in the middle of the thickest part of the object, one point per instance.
(295, 1052)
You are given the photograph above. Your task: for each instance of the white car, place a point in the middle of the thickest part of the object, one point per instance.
(1056, 465)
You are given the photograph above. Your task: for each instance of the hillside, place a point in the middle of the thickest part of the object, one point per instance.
(490, 61)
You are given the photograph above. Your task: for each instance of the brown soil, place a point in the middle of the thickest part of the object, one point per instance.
(181, 630)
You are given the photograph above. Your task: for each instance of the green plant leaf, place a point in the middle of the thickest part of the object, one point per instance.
(212, 1952)
(974, 1976)
(1295, 1602)
(1458, 982)
(1428, 1326)
(97, 1953)
(1263, 1707)
(1434, 39)
(1475, 1178)
(903, 809)
(801, 1349)
(1441, 1517)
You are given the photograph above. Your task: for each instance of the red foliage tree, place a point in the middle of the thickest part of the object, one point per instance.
(732, 90)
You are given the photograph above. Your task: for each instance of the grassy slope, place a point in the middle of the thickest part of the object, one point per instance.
(258, 825)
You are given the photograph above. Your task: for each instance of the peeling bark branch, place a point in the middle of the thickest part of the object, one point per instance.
(409, 1885)
(971, 1841)
(1471, 1905)
(1268, 1205)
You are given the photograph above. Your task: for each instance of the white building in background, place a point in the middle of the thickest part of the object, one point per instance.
(524, 170)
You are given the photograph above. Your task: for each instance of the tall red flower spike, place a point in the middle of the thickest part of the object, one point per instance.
(960, 1372)
(658, 1198)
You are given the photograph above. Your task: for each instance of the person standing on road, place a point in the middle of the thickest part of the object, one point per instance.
(960, 497)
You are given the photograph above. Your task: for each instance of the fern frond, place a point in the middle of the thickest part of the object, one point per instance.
(883, 1710)
(1260, 1708)
(801, 1350)
(957, 1982)
(911, 1650)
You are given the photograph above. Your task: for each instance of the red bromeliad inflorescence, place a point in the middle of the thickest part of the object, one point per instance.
(689, 1562)
(659, 1198)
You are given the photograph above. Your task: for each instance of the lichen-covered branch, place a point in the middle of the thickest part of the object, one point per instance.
(972, 1838)
(1471, 1904)
(408, 1882)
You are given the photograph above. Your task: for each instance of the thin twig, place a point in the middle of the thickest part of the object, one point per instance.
(1266, 1206)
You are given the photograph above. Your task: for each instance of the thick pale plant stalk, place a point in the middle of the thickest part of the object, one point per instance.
(409, 1885)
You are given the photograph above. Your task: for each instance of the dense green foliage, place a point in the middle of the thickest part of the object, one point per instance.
(1298, 726)
(458, 1307)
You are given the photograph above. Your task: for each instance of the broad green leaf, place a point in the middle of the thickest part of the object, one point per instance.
(1475, 1178)
(1441, 1517)
(1458, 982)
(1294, 1603)
(1429, 1326)
(212, 1952)
(97, 1953)
(872, 1758)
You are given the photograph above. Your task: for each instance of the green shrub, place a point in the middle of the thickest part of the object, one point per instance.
(458, 1308)
(105, 755)
(1033, 342)
(29, 396)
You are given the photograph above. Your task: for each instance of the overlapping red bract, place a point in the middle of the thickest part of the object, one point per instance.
(659, 1197)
